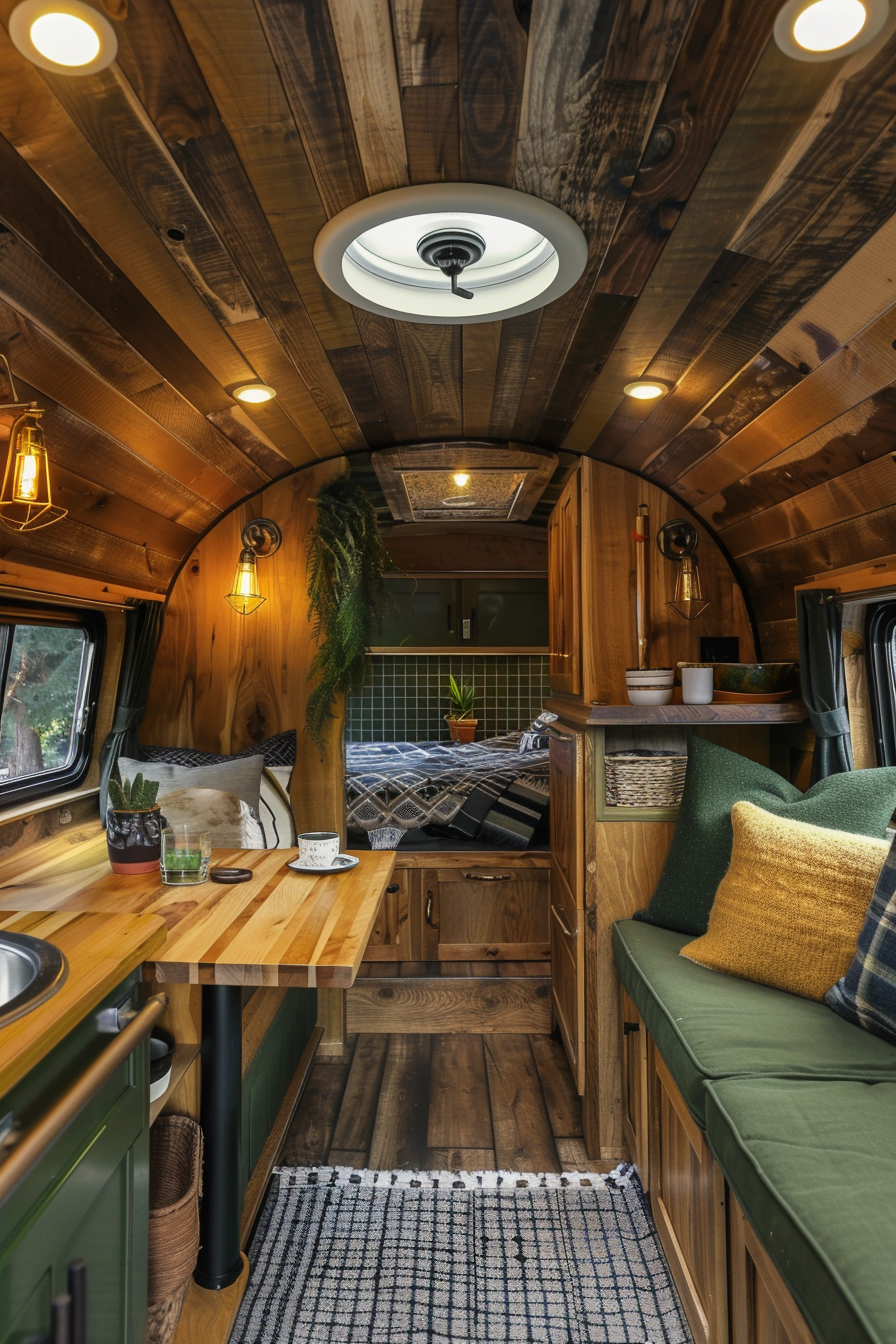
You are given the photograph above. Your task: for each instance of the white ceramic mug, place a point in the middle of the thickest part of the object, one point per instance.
(318, 849)
(696, 685)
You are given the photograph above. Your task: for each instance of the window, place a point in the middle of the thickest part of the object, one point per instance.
(880, 642)
(49, 672)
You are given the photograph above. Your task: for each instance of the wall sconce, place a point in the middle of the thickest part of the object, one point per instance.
(677, 540)
(261, 538)
(26, 499)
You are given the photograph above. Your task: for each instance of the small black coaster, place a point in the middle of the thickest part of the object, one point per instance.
(230, 875)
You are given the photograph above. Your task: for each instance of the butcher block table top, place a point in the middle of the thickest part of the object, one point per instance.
(280, 929)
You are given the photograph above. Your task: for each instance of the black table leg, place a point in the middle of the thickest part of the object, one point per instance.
(219, 1261)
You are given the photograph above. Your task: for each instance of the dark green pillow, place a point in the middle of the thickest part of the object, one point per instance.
(860, 802)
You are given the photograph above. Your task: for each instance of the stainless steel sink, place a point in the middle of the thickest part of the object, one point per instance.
(30, 971)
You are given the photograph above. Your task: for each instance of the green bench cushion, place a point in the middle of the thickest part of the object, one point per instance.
(711, 1026)
(813, 1165)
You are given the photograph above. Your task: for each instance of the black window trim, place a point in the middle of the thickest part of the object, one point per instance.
(51, 782)
(880, 629)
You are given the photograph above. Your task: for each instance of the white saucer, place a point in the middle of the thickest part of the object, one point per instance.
(341, 864)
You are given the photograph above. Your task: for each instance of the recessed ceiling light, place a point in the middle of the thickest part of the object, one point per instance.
(65, 36)
(646, 389)
(403, 253)
(821, 30)
(253, 394)
(461, 478)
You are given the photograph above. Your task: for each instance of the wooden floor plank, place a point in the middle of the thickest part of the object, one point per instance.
(341, 1157)
(354, 1128)
(560, 1096)
(307, 1142)
(461, 1159)
(459, 1114)
(399, 1134)
(574, 1157)
(523, 1138)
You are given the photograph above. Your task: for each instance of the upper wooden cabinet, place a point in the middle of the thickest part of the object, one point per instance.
(591, 586)
(564, 593)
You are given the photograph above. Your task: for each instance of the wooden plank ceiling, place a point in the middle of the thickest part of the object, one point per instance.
(157, 222)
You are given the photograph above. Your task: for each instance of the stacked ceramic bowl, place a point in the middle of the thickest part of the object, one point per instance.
(650, 686)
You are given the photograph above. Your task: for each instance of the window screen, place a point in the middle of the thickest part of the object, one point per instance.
(49, 665)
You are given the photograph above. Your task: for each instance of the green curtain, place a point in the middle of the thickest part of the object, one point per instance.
(820, 630)
(144, 630)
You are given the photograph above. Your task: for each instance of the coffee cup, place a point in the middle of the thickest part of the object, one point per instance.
(696, 685)
(318, 849)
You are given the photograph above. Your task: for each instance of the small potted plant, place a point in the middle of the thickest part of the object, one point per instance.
(134, 826)
(461, 724)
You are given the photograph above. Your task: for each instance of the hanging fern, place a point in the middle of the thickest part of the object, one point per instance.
(346, 563)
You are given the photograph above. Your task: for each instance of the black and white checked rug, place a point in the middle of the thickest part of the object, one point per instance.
(349, 1257)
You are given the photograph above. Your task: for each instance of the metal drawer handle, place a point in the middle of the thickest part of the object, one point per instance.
(562, 922)
(428, 911)
(629, 1027)
(488, 877)
(37, 1140)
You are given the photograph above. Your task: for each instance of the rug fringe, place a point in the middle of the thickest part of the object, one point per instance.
(291, 1177)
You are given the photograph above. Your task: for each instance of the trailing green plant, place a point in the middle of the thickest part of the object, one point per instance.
(460, 699)
(348, 599)
(139, 796)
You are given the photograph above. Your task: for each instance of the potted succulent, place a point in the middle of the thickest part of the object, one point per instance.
(461, 724)
(134, 826)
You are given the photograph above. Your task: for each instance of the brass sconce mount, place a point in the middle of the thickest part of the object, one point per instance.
(677, 541)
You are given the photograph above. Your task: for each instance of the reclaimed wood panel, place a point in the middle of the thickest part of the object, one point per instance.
(490, 90)
(478, 1004)
(363, 36)
(426, 41)
(432, 362)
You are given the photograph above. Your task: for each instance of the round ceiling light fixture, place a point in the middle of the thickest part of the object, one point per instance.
(254, 394)
(646, 389)
(823, 30)
(65, 36)
(402, 253)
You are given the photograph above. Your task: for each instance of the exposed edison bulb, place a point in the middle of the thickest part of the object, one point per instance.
(828, 24)
(245, 594)
(27, 470)
(65, 39)
(461, 478)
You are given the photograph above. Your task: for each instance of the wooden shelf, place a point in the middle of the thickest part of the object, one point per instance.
(183, 1058)
(616, 716)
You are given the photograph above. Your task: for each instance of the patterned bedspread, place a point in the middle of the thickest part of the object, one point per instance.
(410, 784)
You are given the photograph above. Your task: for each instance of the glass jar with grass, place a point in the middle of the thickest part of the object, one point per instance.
(186, 855)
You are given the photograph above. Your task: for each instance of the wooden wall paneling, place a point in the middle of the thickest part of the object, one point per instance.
(481, 344)
(864, 367)
(623, 861)
(136, 285)
(602, 323)
(431, 118)
(518, 340)
(96, 554)
(27, 574)
(380, 337)
(432, 361)
(352, 367)
(775, 102)
(52, 369)
(778, 640)
(180, 107)
(492, 60)
(363, 35)
(222, 681)
(425, 41)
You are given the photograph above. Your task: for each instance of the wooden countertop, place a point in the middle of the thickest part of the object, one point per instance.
(101, 950)
(281, 928)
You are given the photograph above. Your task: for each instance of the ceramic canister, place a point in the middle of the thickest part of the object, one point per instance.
(318, 849)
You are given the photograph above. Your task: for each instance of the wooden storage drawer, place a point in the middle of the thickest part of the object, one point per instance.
(567, 974)
(484, 913)
(390, 939)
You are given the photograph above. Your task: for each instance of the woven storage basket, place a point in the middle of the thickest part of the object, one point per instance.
(175, 1178)
(635, 780)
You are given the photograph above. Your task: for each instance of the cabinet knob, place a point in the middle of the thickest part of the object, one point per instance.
(392, 888)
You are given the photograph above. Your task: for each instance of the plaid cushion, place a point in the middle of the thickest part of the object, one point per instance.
(277, 750)
(513, 818)
(866, 994)
(536, 737)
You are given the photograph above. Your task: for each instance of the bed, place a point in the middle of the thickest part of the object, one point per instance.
(489, 792)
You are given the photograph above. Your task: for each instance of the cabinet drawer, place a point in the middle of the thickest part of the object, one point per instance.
(390, 939)
(487, 914)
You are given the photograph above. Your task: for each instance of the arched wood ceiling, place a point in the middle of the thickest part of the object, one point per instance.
(159, 217)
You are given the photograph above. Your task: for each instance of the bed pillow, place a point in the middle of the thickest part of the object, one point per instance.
(536, 737)
(279, 750)
(229, 819)
(860, 802)
(240, 777)
(790, 908)
(866, 994)
(275, 811)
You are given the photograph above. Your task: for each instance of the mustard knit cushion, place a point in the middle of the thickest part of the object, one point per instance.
(789, 911)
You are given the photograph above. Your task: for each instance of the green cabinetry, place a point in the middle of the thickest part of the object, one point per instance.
(86, 1199)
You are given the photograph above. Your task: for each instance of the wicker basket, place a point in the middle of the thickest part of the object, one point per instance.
(175, 1177)
(644, 780)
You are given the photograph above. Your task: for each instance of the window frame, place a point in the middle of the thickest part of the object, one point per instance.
(49, 782)
(880, 645)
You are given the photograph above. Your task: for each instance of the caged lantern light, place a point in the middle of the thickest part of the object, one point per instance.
(260, 538)
(26, 497)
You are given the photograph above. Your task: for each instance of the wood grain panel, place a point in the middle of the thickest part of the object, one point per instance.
(426, 41)
(380, 337)
(399, 1135)
(522, 1130)
(363, 37)
(481, 344)
(459, 1114)
(431, 119)
(432, 361)
(491, 90)
(488, 1004)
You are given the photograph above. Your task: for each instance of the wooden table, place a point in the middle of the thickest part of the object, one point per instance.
(280, 928)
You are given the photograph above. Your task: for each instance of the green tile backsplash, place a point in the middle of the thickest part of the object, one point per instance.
(406, 697)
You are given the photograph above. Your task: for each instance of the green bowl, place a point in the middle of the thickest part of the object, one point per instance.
(755, 678)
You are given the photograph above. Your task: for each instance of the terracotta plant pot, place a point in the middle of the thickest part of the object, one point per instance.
(134, 840)
(461, 730)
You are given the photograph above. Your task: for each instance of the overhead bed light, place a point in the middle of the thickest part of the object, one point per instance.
(254, 394)
(402, 253)
(646, 389)
(65, 36)
(822, 30)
